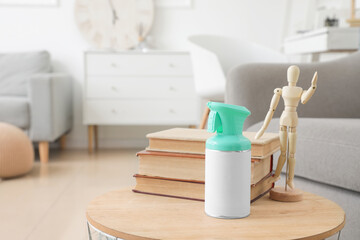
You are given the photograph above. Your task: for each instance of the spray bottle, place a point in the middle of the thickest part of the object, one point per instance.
(227, 163)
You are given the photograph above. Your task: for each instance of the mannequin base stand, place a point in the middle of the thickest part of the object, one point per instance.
(279, 194)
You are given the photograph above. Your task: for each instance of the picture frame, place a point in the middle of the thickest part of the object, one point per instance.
(42, 3)
(173, 3)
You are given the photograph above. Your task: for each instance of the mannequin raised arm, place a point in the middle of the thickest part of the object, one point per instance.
(307, 94)
(274, 102)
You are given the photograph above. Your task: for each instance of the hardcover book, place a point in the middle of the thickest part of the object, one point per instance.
(190, 166)
(186, 140)
(191, 190)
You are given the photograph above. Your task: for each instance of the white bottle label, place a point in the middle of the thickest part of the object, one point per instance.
(227, 183)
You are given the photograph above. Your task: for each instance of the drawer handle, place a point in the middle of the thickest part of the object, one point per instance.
(114, 88)
(171, 110)
(171, 65)
(114, 111)
(171, 88)
(114, 65)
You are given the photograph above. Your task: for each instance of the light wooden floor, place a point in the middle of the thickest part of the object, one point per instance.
(50, 202)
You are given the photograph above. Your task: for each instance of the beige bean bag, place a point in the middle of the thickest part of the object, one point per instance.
(16, 151)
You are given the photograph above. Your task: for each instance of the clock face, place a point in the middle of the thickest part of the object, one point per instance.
(114, 24)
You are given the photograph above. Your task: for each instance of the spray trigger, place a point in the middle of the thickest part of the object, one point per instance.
(214, 122)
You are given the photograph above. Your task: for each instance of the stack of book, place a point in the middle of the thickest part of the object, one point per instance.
(173, 165)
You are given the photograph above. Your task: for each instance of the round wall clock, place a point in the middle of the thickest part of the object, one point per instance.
(114, 24)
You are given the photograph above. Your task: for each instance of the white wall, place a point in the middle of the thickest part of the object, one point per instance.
(54, 29)
(260, 21)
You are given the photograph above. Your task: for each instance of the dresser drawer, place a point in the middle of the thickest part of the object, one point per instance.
(138, 64)
(136, 112)
(140, 87)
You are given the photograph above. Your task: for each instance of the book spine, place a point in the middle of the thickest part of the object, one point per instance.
(165, 195)
(196, 199)
(191, 181)
(168, 179)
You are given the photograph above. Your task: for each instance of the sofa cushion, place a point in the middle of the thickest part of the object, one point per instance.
(15, 110)
(15, 69)
(327, 150)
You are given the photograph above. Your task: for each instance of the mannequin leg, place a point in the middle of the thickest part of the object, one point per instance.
(292, 150)
(282, 157)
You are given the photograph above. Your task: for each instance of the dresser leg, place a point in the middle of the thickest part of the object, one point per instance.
(96, 137)
(315, 57)
(90, 138)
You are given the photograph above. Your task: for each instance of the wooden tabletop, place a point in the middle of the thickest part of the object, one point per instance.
(129, 215)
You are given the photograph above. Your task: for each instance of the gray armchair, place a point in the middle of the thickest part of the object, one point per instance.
(328, 145)
(35, 99)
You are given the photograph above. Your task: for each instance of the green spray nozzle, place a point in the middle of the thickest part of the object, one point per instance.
(214, 122)
(227, 121)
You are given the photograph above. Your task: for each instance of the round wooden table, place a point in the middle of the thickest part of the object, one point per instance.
(129, 215)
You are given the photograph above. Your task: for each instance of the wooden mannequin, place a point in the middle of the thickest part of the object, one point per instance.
(291, 95)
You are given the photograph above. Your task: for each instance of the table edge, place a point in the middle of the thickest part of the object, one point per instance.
(127, 236)
(115, 233)
(326, 234)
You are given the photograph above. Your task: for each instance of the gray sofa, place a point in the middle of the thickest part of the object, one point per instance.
(34, 98)
(328, 145)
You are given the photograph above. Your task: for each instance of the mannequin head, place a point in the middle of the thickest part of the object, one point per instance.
(293, 75)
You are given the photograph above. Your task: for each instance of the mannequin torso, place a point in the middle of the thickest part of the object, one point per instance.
(291, 96)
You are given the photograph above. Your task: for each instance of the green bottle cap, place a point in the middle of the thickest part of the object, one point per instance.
(227, 121)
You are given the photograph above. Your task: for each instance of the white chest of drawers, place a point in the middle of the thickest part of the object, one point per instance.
(324, 40)
(135, 88)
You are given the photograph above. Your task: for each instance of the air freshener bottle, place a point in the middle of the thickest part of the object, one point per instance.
(227, 163)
